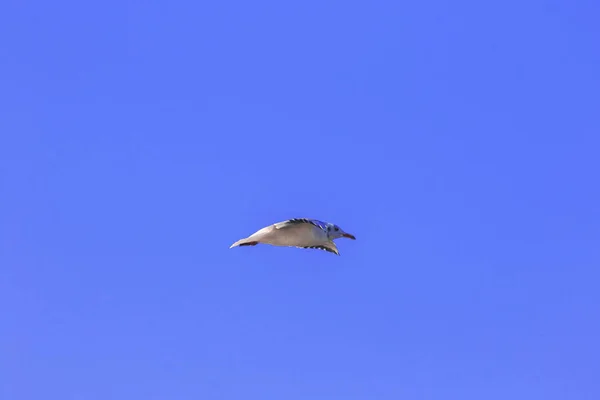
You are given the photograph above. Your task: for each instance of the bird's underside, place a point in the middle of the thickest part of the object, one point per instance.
(300, 232)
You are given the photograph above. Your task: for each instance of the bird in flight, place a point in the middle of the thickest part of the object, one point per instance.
(298, 232)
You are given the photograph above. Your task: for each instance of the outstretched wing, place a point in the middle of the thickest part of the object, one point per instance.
(329, 246)
(295, 221)
(296, 232)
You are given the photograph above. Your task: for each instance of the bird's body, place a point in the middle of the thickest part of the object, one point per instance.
(297, 232)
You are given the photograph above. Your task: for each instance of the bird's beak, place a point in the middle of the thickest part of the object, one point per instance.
(349, 236)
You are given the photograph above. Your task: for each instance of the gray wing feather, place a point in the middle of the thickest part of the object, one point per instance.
(297, 232)
(297, 221)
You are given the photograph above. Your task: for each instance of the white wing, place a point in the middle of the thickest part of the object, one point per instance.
(298, 232)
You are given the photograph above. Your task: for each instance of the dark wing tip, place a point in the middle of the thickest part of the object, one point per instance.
(322, 248)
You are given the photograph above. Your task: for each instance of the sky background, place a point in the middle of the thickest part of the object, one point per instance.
(459, 141)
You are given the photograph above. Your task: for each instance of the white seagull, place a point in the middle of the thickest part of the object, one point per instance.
(298, 232)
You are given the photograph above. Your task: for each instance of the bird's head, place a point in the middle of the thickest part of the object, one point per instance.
(335, 232)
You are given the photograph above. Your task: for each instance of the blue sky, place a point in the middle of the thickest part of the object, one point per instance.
(457, 140)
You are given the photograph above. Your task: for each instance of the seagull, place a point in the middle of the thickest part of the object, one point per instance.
(298, 232)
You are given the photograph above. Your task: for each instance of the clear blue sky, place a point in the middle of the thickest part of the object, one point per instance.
(459, 141)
